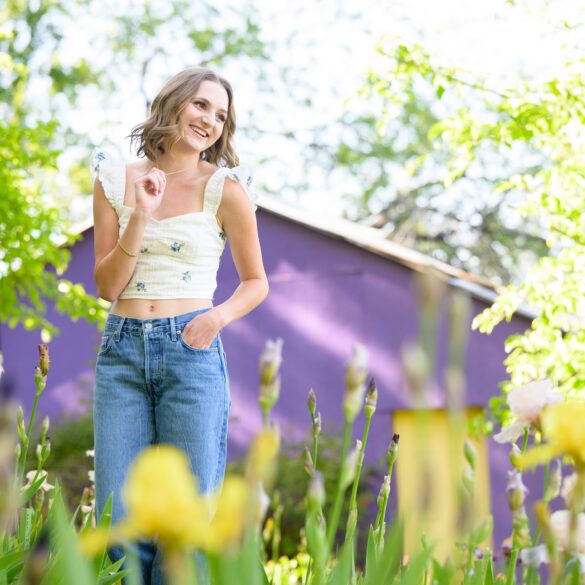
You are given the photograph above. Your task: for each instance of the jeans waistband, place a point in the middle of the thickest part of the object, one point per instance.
(117, 323)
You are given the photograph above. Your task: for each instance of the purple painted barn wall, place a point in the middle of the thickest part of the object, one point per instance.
(325, 295)
(71, 352)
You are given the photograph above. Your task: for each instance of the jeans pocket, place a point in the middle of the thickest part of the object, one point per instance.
(212, 349)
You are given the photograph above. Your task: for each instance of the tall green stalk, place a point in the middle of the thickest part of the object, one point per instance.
(335, 513)
(40, 383)
(385, 493)
(369, 410)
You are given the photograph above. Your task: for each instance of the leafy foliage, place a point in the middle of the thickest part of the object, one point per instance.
(290, 489)
(425, 191)
(33, 234)
(551, 116)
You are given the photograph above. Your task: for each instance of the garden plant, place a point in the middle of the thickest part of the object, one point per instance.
(42, 542)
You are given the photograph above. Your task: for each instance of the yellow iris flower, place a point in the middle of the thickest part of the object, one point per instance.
(163, 504)
(563, 430)
(262, 455)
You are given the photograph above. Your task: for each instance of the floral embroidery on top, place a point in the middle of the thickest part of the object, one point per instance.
(176, 247)
(100, 155)
(186, 276)
(140, 286)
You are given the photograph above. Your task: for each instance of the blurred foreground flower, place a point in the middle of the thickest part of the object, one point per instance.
(560, 525)
(261, 470)
(526, 404)
(262, 455)
(44, 360)
(516, 493)
(355, 382)
(515, 490)
(269, 367)
(564, 433)
(33, 476)
(163, 504)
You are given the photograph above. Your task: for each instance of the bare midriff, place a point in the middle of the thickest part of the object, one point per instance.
(157, 308)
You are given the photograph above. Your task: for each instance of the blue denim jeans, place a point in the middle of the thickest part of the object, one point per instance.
(151, 387)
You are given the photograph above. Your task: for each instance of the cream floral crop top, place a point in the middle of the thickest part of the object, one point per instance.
(179, 256)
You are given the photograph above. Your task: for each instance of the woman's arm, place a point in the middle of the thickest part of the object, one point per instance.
(238, 220)
(113, 268)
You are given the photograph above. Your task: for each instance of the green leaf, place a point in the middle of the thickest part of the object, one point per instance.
(416, 568)
(68, 566)
(115, 578)
(226, 570)
(11, 560)
(26, 517)
(371, 556)
(482, 532)
(103, 523)
(390, 560)
(342, 569)
(489, 571)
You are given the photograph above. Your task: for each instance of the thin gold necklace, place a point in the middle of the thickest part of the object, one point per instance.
(173, 172)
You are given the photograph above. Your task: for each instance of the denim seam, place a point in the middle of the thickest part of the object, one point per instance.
(146, 361)
(220, 445)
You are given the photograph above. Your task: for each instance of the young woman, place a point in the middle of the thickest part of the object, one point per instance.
(160, 227)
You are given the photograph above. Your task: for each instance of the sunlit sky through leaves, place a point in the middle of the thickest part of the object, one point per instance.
(332, 47)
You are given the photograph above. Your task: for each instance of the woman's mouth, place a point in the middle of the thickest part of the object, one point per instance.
(199, 132)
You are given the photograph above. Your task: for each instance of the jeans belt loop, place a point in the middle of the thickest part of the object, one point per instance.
(119, 328)
(173, 328)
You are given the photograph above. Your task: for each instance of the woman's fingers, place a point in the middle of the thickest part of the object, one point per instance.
(154, 181)
(158, 180)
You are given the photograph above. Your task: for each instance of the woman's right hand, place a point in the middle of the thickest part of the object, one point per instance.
(149, 190)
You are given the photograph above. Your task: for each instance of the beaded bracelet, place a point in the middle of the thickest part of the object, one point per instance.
(126, 251)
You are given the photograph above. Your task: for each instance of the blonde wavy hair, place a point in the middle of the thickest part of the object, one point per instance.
(160, 131)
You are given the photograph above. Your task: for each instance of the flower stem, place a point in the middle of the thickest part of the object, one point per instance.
(525, 440)
(336, 510)
(385, 504)
(40, 382)
(511, 577)
(356, 480)
(315, 446)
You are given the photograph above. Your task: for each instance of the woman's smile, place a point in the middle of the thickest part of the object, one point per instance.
(199, 132)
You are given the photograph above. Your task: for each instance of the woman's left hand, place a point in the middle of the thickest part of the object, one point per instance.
(201, 330)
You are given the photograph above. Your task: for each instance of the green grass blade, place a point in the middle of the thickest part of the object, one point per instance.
(390, 560)
(489, 571)
(342, 569)
(371, 556)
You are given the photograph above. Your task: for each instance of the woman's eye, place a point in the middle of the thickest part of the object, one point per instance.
(202, 104)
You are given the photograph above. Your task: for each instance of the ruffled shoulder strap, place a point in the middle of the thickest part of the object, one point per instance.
(111, 172)
(214, 187)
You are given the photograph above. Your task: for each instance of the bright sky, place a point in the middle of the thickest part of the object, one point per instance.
(488, 37)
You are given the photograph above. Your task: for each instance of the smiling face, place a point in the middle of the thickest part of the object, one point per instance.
(203, 118)
(194, 98)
